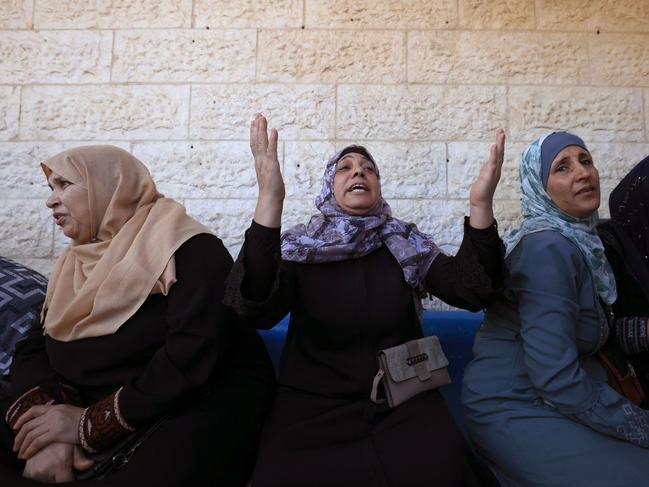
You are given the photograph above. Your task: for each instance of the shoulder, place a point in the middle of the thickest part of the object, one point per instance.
(202, 254)
(547, 243)
(548, 256)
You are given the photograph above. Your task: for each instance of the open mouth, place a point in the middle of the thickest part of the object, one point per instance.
(358, 188)
(586, 191)
(58, 218)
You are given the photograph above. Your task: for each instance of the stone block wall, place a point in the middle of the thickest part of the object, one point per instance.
(423, 84)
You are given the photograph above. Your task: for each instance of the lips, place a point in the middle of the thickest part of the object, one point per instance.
(357, 188)
(585, 190)
(58, 217)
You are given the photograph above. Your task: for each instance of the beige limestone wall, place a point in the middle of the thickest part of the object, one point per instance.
(423, 83)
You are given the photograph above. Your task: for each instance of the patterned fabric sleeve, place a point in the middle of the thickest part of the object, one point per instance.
(23, 292)
(102, 424)
(36, 396)
(631, 332)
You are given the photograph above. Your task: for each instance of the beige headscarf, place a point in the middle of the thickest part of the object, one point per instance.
(97, 286)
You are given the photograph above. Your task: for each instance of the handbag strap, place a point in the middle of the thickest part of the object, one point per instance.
(375, 387)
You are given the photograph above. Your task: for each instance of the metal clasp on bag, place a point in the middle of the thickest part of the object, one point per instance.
(120, 459)
(415, 359)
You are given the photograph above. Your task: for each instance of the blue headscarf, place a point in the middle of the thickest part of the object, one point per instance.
(541, 213)
(551, 146)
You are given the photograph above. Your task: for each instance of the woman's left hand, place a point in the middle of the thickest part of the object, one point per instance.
(484, 187)
(40, 426)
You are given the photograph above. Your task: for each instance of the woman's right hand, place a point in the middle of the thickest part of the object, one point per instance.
(56, 463)
(269, 177)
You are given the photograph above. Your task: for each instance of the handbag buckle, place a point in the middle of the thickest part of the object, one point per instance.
(415, 359)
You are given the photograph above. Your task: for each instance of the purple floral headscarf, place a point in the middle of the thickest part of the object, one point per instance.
(335, 235)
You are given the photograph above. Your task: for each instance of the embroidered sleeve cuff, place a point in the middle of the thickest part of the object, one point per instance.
(33, 397)
(102, 424)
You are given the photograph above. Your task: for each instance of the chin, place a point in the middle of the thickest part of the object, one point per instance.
(586, 212)
(357, 211)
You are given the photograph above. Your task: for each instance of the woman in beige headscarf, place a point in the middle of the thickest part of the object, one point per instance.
(133, 330)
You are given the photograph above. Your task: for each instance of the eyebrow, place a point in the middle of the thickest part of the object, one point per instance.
(56, 179)
(563, 159)
(350, 153)
(582, 155)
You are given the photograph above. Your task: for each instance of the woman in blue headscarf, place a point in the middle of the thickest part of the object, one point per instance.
(536, 398)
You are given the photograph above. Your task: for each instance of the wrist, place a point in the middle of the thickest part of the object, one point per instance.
(102, 424)
(271, 198)
(269, 212)
(481, 217)
(482, 204)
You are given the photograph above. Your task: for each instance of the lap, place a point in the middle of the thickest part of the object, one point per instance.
(416, 444)
(553, 451)
(212, 441)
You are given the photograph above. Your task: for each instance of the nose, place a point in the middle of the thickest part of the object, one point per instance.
(582, 172)
(359, 171)
(52, 200)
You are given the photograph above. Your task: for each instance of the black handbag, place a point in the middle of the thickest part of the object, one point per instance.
(116, 456)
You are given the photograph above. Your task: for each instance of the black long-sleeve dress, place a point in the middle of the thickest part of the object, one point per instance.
(183, 354)
(323, 429)
(631, 309)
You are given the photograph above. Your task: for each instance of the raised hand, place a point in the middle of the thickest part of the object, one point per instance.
(41, 426)
(269, 177)
(483, 189)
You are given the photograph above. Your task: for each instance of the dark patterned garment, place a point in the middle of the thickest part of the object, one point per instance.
(22, 291)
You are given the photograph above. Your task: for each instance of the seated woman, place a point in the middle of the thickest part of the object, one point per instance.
(535, 397)
(353, 280)
(134, 334)
(626, 242)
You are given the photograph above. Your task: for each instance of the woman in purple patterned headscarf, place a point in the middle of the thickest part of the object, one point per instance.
(355, 220)
(353, 279)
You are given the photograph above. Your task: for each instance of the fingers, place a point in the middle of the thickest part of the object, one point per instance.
(493, 155)
(500, 145)
(259, 135)
(63, 476)
(497, 150)
(51, 464)
(35, 441)
(253, 132)
(263, 125)
(272, 146)
(25, 430)
(30, 414)
(79, 460)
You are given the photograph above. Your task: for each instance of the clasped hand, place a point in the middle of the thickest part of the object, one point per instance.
(47, 437)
